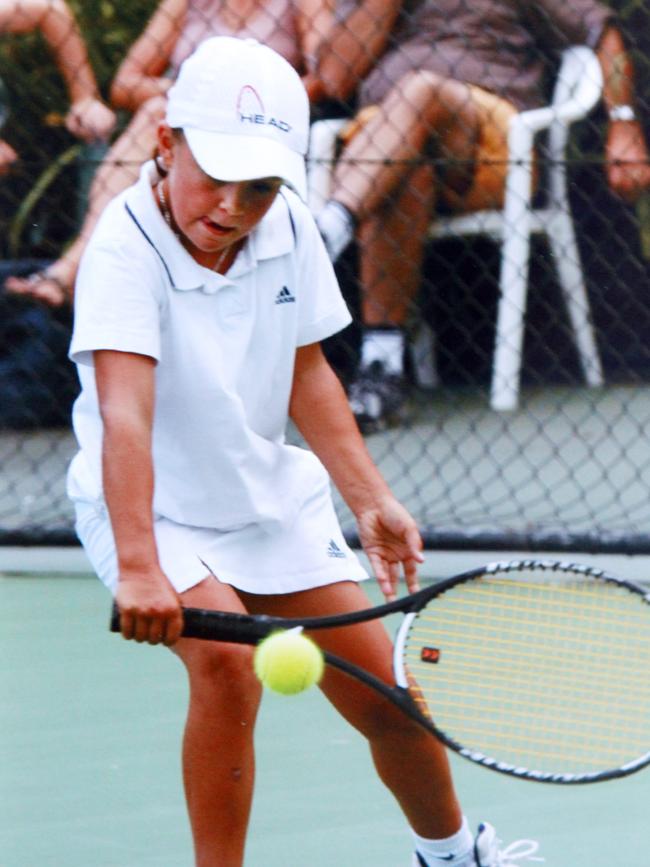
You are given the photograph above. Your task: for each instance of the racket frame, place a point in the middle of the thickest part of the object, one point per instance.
(250, 629)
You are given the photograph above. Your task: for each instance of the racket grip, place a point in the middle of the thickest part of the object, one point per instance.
(217, 625)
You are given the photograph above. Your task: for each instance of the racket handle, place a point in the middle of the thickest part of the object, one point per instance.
(217, 625)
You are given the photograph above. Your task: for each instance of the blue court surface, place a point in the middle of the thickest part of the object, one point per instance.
(90, 727)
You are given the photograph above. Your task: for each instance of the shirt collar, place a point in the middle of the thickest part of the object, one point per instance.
(273, 236)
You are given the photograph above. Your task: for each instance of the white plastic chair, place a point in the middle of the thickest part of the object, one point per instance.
(577, 89)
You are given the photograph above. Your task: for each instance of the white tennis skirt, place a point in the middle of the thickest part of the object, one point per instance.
(310, 553)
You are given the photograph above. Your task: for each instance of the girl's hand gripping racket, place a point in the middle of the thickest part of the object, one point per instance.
(534, 668)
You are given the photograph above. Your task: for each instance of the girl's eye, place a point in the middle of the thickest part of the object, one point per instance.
(263, 188)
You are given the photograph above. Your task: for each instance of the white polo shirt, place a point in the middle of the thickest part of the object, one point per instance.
(225, 349)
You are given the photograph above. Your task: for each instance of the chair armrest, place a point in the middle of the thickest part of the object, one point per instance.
(578, 88)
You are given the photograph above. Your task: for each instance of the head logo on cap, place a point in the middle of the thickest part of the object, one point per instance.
(250, 109)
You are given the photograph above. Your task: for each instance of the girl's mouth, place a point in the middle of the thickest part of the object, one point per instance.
(217, 229)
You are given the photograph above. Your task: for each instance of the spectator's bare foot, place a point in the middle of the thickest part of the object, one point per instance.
(46, 286)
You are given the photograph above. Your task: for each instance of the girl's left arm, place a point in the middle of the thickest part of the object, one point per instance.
(320, 410)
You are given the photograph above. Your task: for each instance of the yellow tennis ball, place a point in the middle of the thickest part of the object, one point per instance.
(288, 662)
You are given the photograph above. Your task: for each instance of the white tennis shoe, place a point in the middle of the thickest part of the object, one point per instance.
(487, 852)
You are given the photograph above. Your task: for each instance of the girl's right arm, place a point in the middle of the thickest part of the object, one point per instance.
(140, 76)
(149, 605)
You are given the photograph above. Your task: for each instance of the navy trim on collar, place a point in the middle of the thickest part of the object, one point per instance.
(149, 241)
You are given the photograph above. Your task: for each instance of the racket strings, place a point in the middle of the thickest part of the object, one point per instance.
(531, 663)
(547, 674)
(585, 704)
(510, 735)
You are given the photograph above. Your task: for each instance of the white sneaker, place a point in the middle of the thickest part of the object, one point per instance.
(487, 852)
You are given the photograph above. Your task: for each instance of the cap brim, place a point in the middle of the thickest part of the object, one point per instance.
(229, 157)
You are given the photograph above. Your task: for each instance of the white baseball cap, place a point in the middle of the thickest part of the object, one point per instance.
(244, 112)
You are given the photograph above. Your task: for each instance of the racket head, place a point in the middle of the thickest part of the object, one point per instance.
(534, 668)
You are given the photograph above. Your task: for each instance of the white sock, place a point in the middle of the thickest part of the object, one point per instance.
(336, 225)
(385, 345)
(438, 852)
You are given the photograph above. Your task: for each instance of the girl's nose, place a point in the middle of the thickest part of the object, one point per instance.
(233, 198)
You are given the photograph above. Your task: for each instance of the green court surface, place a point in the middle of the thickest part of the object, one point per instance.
(89, 762)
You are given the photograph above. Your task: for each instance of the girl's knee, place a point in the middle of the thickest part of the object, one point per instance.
(388, 722)
(215, 668)
(374, 716)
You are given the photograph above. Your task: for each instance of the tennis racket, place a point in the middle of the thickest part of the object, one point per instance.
(534, 668)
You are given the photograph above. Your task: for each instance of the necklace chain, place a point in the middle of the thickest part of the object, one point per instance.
(167, 216)
(162, 198)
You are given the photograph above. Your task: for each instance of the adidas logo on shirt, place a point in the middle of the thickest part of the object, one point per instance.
(285, 297)
(333, 550)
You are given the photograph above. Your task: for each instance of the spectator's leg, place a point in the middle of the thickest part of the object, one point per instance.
(119, 169)
(391, 249)
(389, 139)
(393, 226)
(421, 107)
(391, 246)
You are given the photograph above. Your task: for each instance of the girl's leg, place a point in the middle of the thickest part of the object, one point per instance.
(218, 755)
(411, 762)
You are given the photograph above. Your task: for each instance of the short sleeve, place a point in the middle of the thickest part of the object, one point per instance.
(118, 301)
(322, 311)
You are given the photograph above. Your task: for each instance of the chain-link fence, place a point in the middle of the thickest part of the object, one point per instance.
(502, 440)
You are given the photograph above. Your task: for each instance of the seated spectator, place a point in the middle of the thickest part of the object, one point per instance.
(88, 118)
(293, 29)
(445, 87)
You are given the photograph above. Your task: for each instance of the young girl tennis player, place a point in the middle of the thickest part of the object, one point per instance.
(200, 304)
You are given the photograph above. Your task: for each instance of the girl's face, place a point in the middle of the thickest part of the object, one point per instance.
(210, 215)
